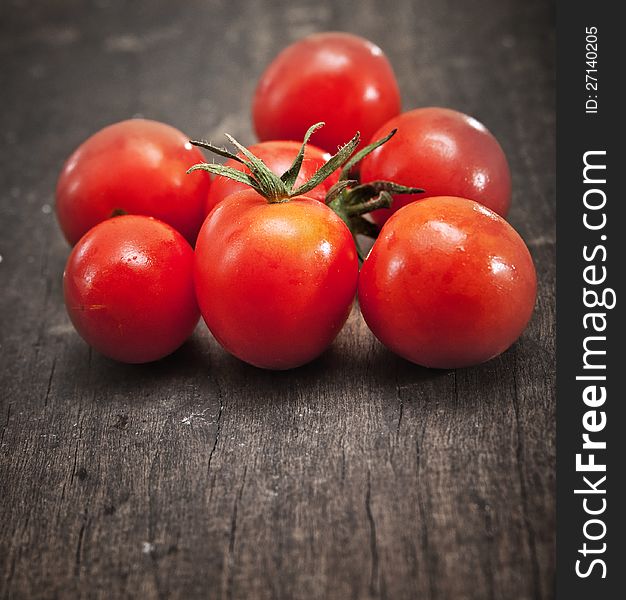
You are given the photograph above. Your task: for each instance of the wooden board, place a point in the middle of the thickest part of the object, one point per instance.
(358, 476)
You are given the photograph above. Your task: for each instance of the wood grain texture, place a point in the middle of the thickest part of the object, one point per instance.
(358, 476)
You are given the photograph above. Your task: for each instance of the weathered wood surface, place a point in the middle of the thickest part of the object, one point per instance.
(358, 476)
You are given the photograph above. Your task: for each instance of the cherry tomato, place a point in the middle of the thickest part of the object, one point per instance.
(275, 281)
(444, 152)
(447, 284)
(278, 156)
(339, 78)
(128, 287)
(136, 167)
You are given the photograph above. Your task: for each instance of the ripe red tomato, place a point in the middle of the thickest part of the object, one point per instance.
(444, 152)
(447, 284)
(339, 78)
(275, 281)
(136, 167)
(278, 156)
(128, 287)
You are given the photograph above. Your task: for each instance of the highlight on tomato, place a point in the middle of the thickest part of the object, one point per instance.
(132, 167)
(128, 287)
(336, 77)
(447, 284)
(445, 152)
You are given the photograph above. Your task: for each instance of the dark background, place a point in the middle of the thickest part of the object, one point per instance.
(358, 476)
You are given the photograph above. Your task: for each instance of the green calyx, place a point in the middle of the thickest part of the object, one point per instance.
(263, 180)
(347, 198)
(352, 200)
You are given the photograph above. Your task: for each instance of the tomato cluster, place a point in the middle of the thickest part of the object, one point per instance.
(266, 246)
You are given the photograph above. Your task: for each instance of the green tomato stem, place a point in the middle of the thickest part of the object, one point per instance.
(262, 179)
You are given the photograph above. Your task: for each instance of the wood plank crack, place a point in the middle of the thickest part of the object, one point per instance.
(54, 363)
(218, 430)
(373, 540)
(519, 455)
(400, 411)
(79, 544)
(152, 518)
(232, 538)
(6, 423)
(424, 538)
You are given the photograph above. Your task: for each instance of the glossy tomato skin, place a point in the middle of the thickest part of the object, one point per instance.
(136, 167)
(128, 287)
(445, 153)
(339, 78)
(278, 156)
(275, 282)
(447, 284)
